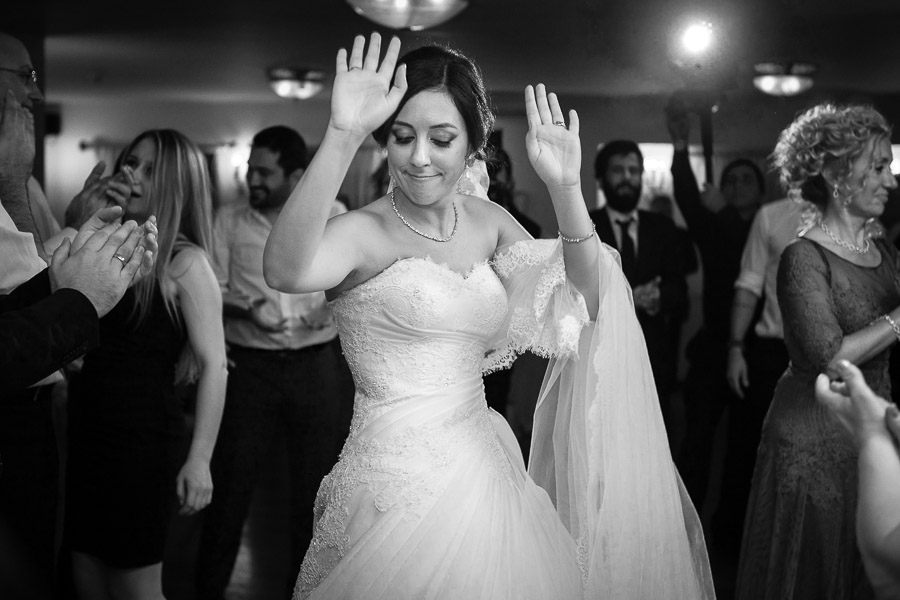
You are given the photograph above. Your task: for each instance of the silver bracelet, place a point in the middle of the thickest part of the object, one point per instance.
(579, 239)
(893, 324)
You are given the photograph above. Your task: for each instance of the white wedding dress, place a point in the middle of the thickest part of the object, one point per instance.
(430, 498)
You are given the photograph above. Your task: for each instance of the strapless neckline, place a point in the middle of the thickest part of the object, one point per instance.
(426, 260)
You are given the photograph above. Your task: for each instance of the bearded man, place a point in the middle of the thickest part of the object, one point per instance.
(651, 259)
(287, 378)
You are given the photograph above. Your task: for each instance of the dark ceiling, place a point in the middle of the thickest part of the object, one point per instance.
(219, 51)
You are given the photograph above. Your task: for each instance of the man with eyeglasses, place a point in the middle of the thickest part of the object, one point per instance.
(28, 484)
(28, 447)
(30, 212)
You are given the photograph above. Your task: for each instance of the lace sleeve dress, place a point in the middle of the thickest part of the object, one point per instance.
(800, 536)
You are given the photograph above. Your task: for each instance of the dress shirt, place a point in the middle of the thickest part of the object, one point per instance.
(774, 227)
(239, 240)
(46, 224)
(615, 216)
(19, 260)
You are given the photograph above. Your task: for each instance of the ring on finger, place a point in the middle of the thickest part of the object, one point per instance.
(560, 123)
(120, 257)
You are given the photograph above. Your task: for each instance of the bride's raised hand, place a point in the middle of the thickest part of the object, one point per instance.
(363, 97)
(553, 149)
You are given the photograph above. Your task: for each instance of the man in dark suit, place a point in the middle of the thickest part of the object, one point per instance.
(53, 318)
(651, 259)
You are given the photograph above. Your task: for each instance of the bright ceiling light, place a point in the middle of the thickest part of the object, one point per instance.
(697, 37)
(296, 84)
(783, 78)
(408, 14)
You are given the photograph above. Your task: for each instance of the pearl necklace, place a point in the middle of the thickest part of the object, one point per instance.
(425, 235)
(852, 248)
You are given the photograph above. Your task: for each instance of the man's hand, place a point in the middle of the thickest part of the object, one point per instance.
(16, 141)
(104, 265)
(318, 318)
(678, 121)
(736, 371)
(712, 198)
(99, 192)
(110, 216)
(264, 317)
(647, 296)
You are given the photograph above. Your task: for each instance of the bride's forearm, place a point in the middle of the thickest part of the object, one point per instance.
(581, 257)
(297, 233)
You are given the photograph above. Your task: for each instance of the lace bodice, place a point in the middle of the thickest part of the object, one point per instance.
(417, 326)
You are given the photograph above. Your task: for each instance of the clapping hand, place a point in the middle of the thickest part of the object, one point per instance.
(104, 217)
(104, 264)
(99, 192)
(553, 149)
(363, 97)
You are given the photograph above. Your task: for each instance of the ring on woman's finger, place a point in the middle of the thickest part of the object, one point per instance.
(120, 257)
(560, 123)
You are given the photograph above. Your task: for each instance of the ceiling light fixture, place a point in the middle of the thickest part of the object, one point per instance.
(296, 84)
(697, 37)
(783, 78)
(414, 15)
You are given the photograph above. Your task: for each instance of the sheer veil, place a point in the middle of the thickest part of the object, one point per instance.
(599, 446)
(600, 449)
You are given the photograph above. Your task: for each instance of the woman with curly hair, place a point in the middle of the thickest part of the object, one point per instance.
(839, 298)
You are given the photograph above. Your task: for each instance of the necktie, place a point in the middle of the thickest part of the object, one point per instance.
(626, 249)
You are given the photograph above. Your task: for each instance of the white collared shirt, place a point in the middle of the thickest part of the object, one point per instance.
(19, 262)
(19, 259)
(239, 240)
(774, 227)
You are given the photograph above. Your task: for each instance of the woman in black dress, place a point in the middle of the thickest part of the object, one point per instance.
(125, 419)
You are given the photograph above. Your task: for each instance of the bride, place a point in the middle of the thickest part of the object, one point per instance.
(432, 286)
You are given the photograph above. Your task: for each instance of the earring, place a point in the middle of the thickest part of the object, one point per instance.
(845, 201)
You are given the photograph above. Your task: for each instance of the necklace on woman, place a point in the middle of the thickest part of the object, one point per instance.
(864, 249)
(423, 234)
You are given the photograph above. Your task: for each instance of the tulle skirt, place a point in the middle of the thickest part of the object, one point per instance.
(430, 499)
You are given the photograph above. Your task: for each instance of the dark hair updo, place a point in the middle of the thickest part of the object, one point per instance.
(442, 69)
